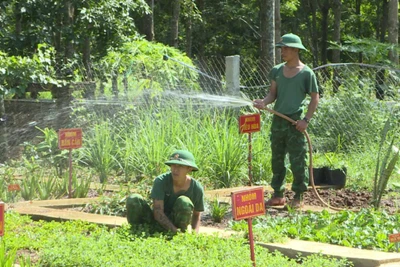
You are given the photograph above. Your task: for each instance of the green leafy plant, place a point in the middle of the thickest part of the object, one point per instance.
(6, 195)
(47, 187)
(29, 187)
(227, 152)
(79, 186)
(109, 205)
(47, 151)
(99, 152)
(386, 166)
(24, 261)
(37, 185)
(114, 204)
(334, 160)
(77, 243)
(7, 258)
(218, 210)
(36, 69)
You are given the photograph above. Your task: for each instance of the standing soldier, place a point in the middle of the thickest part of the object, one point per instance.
(291, 82)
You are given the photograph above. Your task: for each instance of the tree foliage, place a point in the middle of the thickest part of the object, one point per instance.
(149, 62)
(36, 69)
(89, 31)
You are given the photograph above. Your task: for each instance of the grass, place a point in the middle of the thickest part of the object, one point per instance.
(145, 135)
(79, 243)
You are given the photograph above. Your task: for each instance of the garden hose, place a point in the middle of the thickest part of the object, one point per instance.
(311, 162)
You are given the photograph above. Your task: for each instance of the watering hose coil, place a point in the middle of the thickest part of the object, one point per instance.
(310, 163)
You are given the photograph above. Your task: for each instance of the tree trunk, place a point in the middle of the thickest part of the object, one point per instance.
(146, 23)
(2, 108)
(378, 19)
(114, 85)
(57, 40)
(174, 30)
(337, 13)
(380, 74)
(199, 41)
(267, 27)
(393, 28)
(86, 54)
(358, 13)
(188, 27)
(324, 29)
(64, 98)
(3, 132)
(384, 21)
(68, 28)
(277, 29)
(337, 10)
(125, 83)
(18, 27)
(314, 31)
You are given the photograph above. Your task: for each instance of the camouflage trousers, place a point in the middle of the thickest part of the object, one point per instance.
(285, 139)
(139, 211)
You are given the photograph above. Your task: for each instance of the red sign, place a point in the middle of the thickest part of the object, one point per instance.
(14, 187)
(70, 138)
(249, 123)
(394, 238)
(248, 203)
(1, 218)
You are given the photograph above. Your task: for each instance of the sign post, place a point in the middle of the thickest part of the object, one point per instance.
(247, 204)
(70, 139)
(12, 188)
(249, 124)
(1, 218)
(395, 238)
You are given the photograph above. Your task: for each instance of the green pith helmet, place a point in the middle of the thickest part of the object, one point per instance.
(182, 157)
(291, 40)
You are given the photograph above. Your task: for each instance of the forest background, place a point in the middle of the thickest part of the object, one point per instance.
(47, 45)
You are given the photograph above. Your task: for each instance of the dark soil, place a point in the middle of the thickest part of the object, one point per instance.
(338, 198)
(349, 199)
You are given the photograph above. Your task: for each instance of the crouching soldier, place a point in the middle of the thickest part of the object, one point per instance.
(178, 199)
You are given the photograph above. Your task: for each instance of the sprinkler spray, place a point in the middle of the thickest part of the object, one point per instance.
(166, 57)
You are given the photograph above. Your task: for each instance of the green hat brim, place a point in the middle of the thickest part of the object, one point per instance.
(182, 162)
(294, 45)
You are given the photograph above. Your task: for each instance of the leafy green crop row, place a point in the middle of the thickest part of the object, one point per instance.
(366, 229)
(83, 244)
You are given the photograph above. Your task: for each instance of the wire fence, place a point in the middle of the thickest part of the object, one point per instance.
(356, 99)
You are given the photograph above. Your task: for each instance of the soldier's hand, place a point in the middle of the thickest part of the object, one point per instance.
(301, 125)
(259, 103)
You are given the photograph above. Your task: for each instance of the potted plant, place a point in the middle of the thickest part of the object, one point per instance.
(336, 171)
(319, 175)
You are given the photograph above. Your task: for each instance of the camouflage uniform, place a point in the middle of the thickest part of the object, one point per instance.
(139, 211)
(286, 139)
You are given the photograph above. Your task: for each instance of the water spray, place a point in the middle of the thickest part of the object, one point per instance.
(217, 100)
(166, 57)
